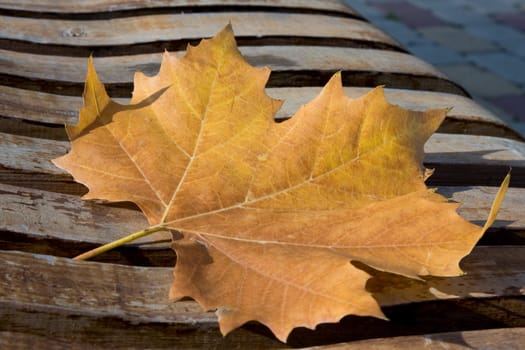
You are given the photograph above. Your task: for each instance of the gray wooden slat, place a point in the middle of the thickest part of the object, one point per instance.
(39, 106)
(83, 6)
(34, 155)
(191, 26)
(115, 335)
(31, 154)
(466, 116)
(486, 339)
(280, 58)
(462, 107)
(109, 297)
(459, 159)
(481, 263)
(102, 304)
(27, 211)
(476, 202)
(472, 149)
(37, 213)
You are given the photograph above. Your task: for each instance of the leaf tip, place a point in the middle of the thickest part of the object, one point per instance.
(91, 71)
(227, 31)
(497, 201)
(335, 84)
(379, 90)
(383, 317)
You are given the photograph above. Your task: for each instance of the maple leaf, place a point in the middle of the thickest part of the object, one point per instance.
(272, 214)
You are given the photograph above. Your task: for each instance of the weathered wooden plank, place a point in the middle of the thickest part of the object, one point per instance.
(466, 116)
(483, 262)
(39, 106)
(487, 159)
(84, 6)
(487, 339)
(473, 149)
(32, 215)
(280, 58)
(461, 107)
(121, 309)
(44, 214)
(31, 154)
(92, 334)
(191, 26)
(468, 159)
(477, 200)
(104, 299)
(61, 225)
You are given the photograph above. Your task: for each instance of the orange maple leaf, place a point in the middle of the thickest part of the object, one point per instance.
(271, 213)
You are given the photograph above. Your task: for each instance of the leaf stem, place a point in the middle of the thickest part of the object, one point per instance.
(112, 245)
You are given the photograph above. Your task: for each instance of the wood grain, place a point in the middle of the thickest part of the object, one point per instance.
(39, 106)
(493, 154)
(25, 211)
(82, 6)
(466, 116)
(289, 58)
(487, 339)
(110, 298)
(192, 26)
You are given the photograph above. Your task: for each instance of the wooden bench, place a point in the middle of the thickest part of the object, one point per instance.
(120, 299)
